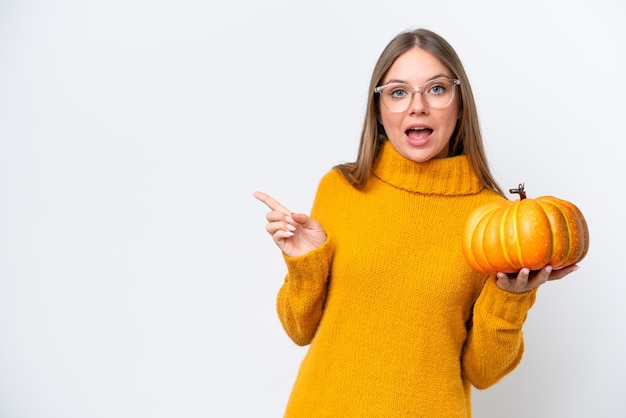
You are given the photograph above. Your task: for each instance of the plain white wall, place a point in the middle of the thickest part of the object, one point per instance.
(136, 277)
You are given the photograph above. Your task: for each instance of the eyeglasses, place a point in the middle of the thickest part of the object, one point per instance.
(437, 94)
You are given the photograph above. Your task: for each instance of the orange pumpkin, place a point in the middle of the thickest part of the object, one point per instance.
(509, 235)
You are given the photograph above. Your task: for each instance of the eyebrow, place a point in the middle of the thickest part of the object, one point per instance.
(436, 76)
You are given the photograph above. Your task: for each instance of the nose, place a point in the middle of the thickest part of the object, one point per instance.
(418, 103)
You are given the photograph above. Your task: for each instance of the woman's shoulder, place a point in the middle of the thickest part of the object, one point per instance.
(333, 186)
(334, 178)
(487, 195)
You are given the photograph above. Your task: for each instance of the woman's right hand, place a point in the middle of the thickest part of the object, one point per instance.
(294, 233)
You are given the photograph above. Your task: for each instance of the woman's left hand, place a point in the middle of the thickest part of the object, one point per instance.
(526, 280)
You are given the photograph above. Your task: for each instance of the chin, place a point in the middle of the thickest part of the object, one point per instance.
(422, 157)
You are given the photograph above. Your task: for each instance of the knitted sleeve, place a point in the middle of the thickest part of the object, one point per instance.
(301, 298)
(495, 342)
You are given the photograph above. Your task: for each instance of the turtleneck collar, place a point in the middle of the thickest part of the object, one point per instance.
(442, 176)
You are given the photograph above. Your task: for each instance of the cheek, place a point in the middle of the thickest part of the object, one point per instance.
(451, 119)
(390, 121)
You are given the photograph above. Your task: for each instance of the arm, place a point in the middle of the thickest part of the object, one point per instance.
(307, 254)
(301, 298)
(495, 343)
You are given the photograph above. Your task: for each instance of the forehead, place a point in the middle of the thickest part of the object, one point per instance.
(416, 65)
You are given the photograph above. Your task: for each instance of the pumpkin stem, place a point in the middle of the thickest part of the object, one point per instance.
(520, 191)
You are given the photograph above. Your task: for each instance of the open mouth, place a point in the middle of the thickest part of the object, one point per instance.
(418, 133)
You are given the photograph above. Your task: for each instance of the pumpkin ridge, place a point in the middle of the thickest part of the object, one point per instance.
(473, 257)
(502, 230)
(570, 232)
(518, 246)
(573, 229)
(553, 227)
(577, 221)
(483, 255)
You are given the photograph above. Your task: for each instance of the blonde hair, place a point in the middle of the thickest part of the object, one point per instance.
(466, 138)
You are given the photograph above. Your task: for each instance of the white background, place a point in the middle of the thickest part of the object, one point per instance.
(136, 276)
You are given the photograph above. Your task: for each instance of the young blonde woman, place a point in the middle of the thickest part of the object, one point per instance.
(398, 324)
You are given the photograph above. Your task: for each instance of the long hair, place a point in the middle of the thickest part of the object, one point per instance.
(466, 138)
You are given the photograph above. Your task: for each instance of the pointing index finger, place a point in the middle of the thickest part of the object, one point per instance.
(271, 202)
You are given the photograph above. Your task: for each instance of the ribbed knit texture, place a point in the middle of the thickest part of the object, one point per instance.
(399, 324)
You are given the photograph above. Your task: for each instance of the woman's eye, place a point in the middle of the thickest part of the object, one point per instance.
(437, 89)
(398, 93)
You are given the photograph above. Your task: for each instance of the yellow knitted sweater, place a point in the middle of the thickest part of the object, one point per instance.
(398, 324)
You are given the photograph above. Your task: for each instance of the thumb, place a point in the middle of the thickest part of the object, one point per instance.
(305, 221)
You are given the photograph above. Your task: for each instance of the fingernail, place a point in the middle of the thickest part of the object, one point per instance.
(288, 218)
(291, 227)
(548, 269)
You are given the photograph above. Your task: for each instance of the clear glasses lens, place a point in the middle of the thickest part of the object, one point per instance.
(437, 94)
